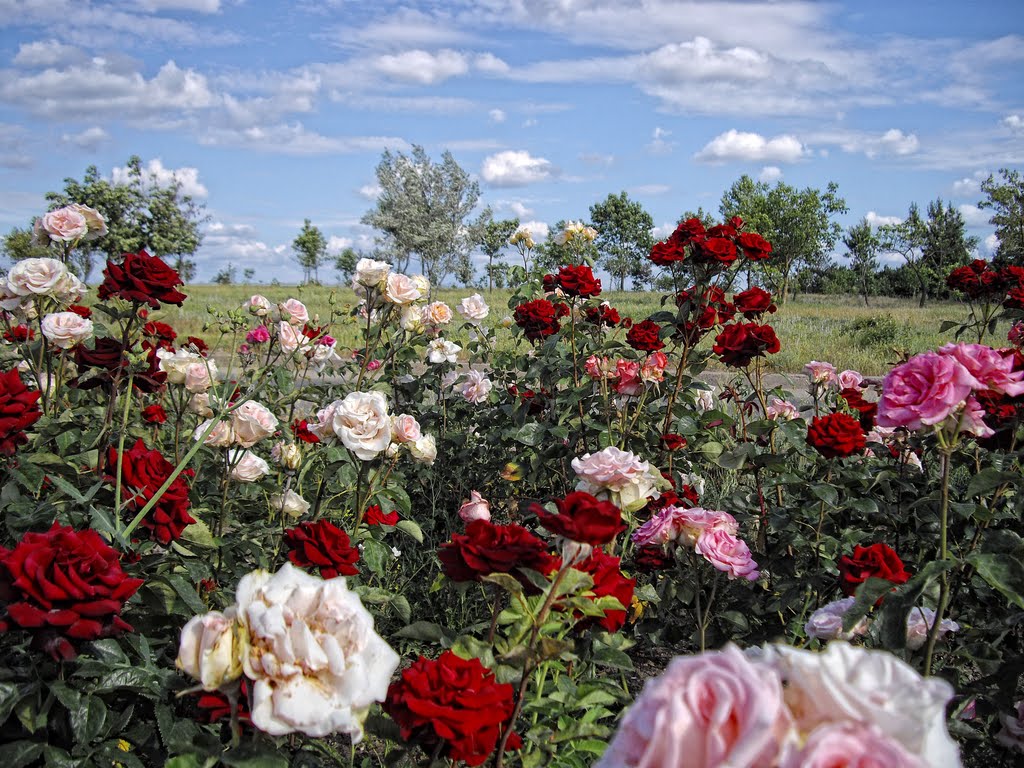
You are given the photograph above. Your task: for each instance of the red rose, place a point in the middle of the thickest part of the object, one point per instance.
(722, 230)
(549, 283)
(835, 435)
(19, 333)
(487, 548)
(455, 702)
(154, 414)
(578, 280)
(866, 410)
(143, 471)
(689, 230)
(645, 337)
(582, 518)
(374, 516)
(143, 279)
(215, 706)
(608, 580)
(162, 332)
(667, 252)
(198, 345)
(1014, 299)
(754, 246)
(19, 409)
(300, 428)
(879, 561)
(324, 545)
(602, 314)
(537, 318)
(740, 343)
(65, 585)
(673, 442)
(754, 302)
(81, 311)
(107, 358)
(651, 557)
(717, 250)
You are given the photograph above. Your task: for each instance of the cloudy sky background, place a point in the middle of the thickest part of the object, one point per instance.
(272, 112)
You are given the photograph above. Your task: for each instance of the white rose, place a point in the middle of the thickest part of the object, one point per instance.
(94, 219)
(294, 311)
(200, 375)
(66, 329)
(362, 422)
(324, 356)
(316, 663)
(291, 338)
(65, 225)
(476, 387)
(258, 305)
(474, 308)
(199, 404)
(38, 276)
(251, 422)
(220, 437)
(290, 503)
(211, 649)
(437, 313)
(246, 466)
(705, 400)
(370, 273)
(405, 429)
(288, 455)
(442, 351)
(175, 364)
(400, 289)
(411, 318)
(424, 450)
(421, 283)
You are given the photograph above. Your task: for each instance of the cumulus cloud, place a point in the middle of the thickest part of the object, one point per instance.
(662, 231)
(892, 142)
(489, 64)
(537, 229)
(515, 168)
(735, 145)
(336, 244)
(969, 186)
(973, 215)
(497, 115)
(875, 220)
(296, 139)
(990, 244)
(770, 174)
(89, 139)
(370, 191)
(519, 209)
(48, 53)
(422, 67)
(1014, 122)
(196, 6)
(156, 173)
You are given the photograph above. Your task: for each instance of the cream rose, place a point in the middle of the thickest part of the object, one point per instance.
(175, 364)
(288, 455)
(400, 289)
(424, 450)
(42, 277)
(370, 273)
(474, 308)
(93, 219)
(199, 404)
(66, 329)
(411, 319)
(437, 313)
(362, 422)
(220, 437)
(251, 422)
(200, 375)
(65, 225)
(211, 649)
(290, 503)
(246, 466)
(291, 338)
(258, 305)
(405, 429)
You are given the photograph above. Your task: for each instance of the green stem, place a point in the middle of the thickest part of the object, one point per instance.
(940, 609)
(120, 451)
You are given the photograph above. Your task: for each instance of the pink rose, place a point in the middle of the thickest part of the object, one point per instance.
(919, 624)
(258, 335)
(852, 744)
(599, 368)
(782, 409)
(401, 289)
(258, 305)
(65, 225)
(988, 366)
(610, 468)
(405, 429)
(821, 373)
(727, 553)
(924, 391)
(716, 709)
(476, 387)
(200, 375)
(682, 526)
(826, 623)
(653, 369)
(476, 508)
(294, 311)
(251, 422)
(629, 382)
(850, 380)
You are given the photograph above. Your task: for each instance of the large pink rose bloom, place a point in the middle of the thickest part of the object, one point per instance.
(924, 391)
(851, 745)
(708, 711)
(988, 366)
(685, 526)
(727, 553)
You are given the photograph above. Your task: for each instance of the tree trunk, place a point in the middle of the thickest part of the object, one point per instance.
(785, 290)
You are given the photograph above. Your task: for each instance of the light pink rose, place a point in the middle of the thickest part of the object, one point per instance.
(851, 745)
(919, 624)
(653, 369)
(972, 419)
(850, 380)
(400, 289)
(682, 526)
(599, 368)
(362, 422)
(258, 305)
(708, 711)
(826, 623)
(988, 366)
(924, 391)
(40, 276)
(821, 373)
(476, 387)
(783, 410)
(252, 422)
(247, 467)
(474, 308)
(294, 311)
(727, 553)
(93, 219)
(291, 338)
(200, 375)
(476, 508)
(405, 429)
(66, 329)
(65, 225)
(1012, 733)
(610, 468)
(629, 382)
(437, 313)
(220, 437)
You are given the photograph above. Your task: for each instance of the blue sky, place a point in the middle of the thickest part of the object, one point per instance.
(272, 112)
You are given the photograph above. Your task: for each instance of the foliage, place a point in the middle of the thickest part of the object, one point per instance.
(862, 248)
(1005, 198)
(493, 240)
(623, 239)
(310, 251)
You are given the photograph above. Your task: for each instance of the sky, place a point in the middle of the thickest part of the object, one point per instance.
(273, 112)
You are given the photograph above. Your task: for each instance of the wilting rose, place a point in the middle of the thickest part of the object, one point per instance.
(211, 649)
(475, 508)
(782, 410)
(919, 624)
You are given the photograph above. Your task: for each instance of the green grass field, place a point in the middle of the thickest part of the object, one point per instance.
(838, 329)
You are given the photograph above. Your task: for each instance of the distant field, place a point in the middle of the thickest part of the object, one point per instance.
(839, 329)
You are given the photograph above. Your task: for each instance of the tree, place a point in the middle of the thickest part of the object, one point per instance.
(798, 223)
(1006, 201)
(862, 248)
(227, 275)
(186, 268)
(310, 249)
(424, 210)
(18, 244)
(493, 240)
(345, 263)
(144, 212)
(946, 244)
(623, 238)
(908, 239)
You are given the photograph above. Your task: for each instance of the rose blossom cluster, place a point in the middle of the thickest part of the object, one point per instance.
(69, 225)
(37, 278)
(781, 707)
(628, 377)
(306, 647)
(621, 476)
(248, 423)
(710, 533)
(362, 423)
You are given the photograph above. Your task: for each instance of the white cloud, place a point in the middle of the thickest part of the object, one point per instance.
(515, 168)
(336, 244)
(296, 139)
(537, 229)
(662, 231)
(990, 244)
(489, 64)
(659, 144)
(969, 186)
(198, 6)
(650, 190)
(422, 67)
(973, 215)
(155, 172)
(89, 139)
(220, 229)
(405, 28)
(734, 145)
(770, 174)
(48, 53)
(370, 191)
(891, 142)
(519, 209)
(598, 159)
(497, 115)
(875, 220)
(1014, 122)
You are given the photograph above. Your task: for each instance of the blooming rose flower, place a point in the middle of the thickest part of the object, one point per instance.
(40, 277)
(424, 450)
(599, 368)
(64, 586)
(443, 351)
(782, 409)
(289, 503)
(708, 711)
(538, 319)
(65, 225)
(313, 656)
(754, 246)
(878, 561)
(154, 414)
(988, 366)
(645, 336)
(455, 702)
(575, 232)
(294, 312)
(201, 375)
(222, 435)
(851, 744)
(437, 313)
(850, 380)
(628, 478)
(211, 649)
(835, 435)
(476, 387)
(258, 335)
(370, 273)
(705, 400)
(376, 516)
(19, 409)
(578, 280)
(628, 381)
(322, 544)
(246, 466)
(143, 472)
(143, 279)
(753, 303)
(826, 623)
(258, 305)
(919, 624)
(405, 429)
(924, 391)
(727, 553)
(291, 338)
(485, 548)
(411, 319)
(473, 308)
(362, 422)
(739, 343)
(653, 369)
(821, 373)
(175, 363)
(475, 508)
(400, 289)
(93, 219)
(65, 329)
(251, 422)
(683, 526)
(582, 518)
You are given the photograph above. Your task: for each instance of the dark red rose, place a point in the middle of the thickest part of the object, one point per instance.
(535, 402)
(878, 561)
(673, 442)
(143, 279)
(65, 586)
(549, 283)
(740, 343)
(323, 545)
(754, 302)
(689, 494)
(1014, 298)
(716, 250)
(143, 471)
(537, 318)
(19, 333)
(374, 516)
(645, 336)
(162, 332)
(866, 410)
(105, 358)
(722, 230)
(755, 247)
(582, 518)
(835, 435)
(154, 414)
(300, 428)
(453, 702)
(487, 548)
(608, 580)
(689, 231)
(214, 706)
(19, 409)
(198, 345)
(651, 557)
(81, 311)
(667, 252)
(578, 280)
(602, 314)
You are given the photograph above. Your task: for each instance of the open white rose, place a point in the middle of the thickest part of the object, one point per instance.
(94, 219)
(247, 467)
(66, 329)
(400, 289)
(424, 450)
(290, 503)
(316, 663)
(211, 649)
(200, 375)
(411, 319)
(370, 273)
(220, 437)
(251, 422)
(175, 364)
(474, 308)
(442, 351)
(362, 422)
(42, 277)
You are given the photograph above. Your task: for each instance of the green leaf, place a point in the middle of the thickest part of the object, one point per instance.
(247, 757)
(186, 592)
(87, 719)
(198, 533)
(427, 631)
(989, 479)
(19, 753)
(10, 694)
(402, 608)
(1004, 573)
(893, 618)
(506, 582)
(411, 528)
(826, 493)
(868, 593)
(376, 555)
